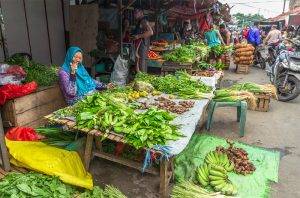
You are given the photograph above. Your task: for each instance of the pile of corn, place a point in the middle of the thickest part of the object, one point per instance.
(244, 92)
(243, 54)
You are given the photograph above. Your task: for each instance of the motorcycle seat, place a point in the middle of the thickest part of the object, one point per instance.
(295, 59)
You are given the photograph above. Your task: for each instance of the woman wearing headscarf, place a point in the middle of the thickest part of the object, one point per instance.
(74, 80)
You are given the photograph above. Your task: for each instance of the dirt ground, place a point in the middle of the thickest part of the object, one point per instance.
(278, 129)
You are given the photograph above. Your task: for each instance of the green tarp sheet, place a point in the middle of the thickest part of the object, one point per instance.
(255, 185)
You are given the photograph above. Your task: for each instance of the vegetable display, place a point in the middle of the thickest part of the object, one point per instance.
(181, 84)
(42, 74)
(28, 185)
(107, 113)
(153, 55)
(183, 54)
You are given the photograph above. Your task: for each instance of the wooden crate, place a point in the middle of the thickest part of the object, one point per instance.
(242, 69)
(29, 110)
(263, 102)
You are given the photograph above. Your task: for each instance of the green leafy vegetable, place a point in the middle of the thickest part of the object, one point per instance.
(43, 75)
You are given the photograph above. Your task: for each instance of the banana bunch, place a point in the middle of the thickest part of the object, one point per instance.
(202, 174)
(221, 159)
(218, 179)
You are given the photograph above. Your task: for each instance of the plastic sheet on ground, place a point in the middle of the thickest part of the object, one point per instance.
(50, 160)
(254, 185)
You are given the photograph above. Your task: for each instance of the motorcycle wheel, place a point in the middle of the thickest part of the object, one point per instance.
(291, 89)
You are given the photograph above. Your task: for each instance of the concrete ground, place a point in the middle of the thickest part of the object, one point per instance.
(278, 129)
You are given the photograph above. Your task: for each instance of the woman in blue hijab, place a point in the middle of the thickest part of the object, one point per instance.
(75, 82)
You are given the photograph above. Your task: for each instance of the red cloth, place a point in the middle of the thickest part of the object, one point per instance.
(22, 134)
(10, 91)
(16, 70)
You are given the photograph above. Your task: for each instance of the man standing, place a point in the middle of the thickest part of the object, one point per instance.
(143, 32)
(274, 37)
(225, 33)
(254, 35)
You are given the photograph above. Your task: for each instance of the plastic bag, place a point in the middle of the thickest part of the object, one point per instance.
(11, 74)
(11, 91)
(22, 134)
(120, 73)
(38, 156)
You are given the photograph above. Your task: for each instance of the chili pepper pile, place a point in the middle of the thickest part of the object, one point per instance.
(153, 55)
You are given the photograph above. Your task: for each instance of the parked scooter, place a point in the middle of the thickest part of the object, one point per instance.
(285, 73)
(258, 57)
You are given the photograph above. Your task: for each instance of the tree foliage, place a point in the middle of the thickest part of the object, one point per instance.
(247, 19)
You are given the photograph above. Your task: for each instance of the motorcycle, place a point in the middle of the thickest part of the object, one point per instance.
(258, 58)
(285, 73)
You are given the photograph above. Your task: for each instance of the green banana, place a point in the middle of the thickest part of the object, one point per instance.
(201, 181)
(206, 169)
(230, 167)
(234, 191)
(219, 187)
(216, 155)
(218, 182)
(229, 190)
(217, 173)
(225, 189)
(219, 168)
(215, 178)
(202, 174)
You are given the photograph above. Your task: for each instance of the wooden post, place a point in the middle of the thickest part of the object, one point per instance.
(4, 153)
(98, 143)
(163, 187)
(88, 151)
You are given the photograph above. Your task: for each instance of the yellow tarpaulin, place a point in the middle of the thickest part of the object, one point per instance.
(49, 160)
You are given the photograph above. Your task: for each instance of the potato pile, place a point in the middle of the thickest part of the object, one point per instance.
(243, 54)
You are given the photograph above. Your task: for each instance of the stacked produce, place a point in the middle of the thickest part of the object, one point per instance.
(153, 55)
(256, 88)
(214, 173)
(38, 185)
(43, 75)
(171, 106)
(239, 157)
(181, 84)
(108, 113)
(243, 54)
(228, 95)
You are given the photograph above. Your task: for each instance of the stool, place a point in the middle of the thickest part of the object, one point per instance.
(241, 113)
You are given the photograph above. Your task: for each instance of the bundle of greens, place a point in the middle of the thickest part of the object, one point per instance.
(108, 192)
(227, 95)
(255, 88)
(219, 50)
(25, 185)
(43, 75)
(201, 49)
(181, 84)
(56, 136)
(219, 66)
(190, 190)
(183, 54)
(107, 113)
(203, 65)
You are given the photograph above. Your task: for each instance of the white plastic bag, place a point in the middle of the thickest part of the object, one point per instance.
(120, 72)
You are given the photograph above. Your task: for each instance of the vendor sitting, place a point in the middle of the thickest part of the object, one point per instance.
(74, 80)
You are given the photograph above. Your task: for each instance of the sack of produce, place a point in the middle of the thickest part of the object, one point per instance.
(143, 86)
(119, 75)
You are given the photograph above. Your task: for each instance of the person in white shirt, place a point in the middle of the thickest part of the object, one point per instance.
(273, 37)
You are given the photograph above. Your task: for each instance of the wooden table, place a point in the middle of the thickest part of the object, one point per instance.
(165, 171)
